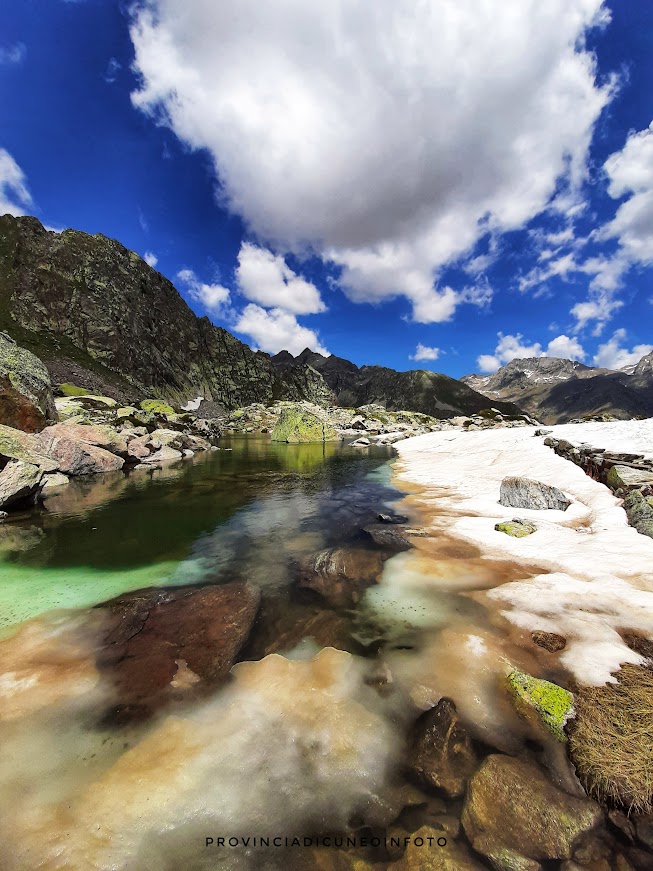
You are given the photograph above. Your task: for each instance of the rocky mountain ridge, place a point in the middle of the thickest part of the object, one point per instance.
(416, 390)
(103, 319)
(557, 390)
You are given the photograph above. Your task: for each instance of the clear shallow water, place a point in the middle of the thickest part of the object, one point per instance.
(243, 511)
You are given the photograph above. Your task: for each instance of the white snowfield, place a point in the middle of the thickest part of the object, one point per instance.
(597, 570)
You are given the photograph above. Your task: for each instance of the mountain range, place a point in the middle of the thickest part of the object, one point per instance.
(101, 318)
(555, 391)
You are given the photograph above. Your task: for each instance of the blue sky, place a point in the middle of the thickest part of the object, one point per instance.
(438, 184)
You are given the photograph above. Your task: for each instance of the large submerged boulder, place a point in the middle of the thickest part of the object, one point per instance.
(26, 400)
(160, 644)
(525, 493)
(341, 574)
(513, 812)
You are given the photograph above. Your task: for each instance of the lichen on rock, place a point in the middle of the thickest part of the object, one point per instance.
(553, 704)
(298, 425)
(26, 400)
(516, 528)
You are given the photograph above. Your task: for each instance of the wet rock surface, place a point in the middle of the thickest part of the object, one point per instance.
(441, 755)
(153, 637)
(341, 575)
(512, 807)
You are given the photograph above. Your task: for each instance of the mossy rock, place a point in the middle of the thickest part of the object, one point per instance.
(26, 400)
(516, 528)
(297, 425)
(72, 390)
(127, 412)
(553, 704)
(156, 406)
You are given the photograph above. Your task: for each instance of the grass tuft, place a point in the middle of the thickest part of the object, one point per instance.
(611, 740)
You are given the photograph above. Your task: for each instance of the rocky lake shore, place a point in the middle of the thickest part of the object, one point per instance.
(459, 657)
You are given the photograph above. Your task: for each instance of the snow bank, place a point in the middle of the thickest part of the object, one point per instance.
(596, 571)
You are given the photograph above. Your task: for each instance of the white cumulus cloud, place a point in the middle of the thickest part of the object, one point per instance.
(264, 278)
(612, 355)
(423, 352)
(387, 137)
(514, 348)
(214, 297)
(15, 198)
(277, 330)
(151, 259)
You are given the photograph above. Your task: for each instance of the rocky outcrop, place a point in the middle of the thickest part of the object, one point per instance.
(90, 301)
(26, 400)
(19, 483)
(160, 645)
(557, 391)
(417, 390)
(297, 425)
(524, 493)
(513, 812)
(629, 476)
(441, 755)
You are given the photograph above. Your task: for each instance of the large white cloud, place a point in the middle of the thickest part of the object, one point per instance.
(277, 330)
(630, 173)
(15, 198)
(514, 348)
(387, 136)
(612, 355)
(264, 278)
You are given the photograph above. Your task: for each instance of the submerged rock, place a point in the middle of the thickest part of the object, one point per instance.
(513, 810)
(150, 633)
(341, 575)
(388, 536)
(423, 853)
(441, 755)
(19, 483)
(553, 704)
(297, 424)
(525, 493)
(26, 400)
(516, 528)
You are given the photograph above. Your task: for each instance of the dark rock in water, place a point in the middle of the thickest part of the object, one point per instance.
(19, 483)
(525, 493)
(389, 537)
(514, 812)
(392, 518)
(158, 644)
(280, 627)
(549, 641)
(26, 400)
(441, 755)
(341, 575)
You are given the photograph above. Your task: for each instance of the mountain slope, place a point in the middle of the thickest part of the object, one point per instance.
(556, 391)
(89, 306)
(416, 390)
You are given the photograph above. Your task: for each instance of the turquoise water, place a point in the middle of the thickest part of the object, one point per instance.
(247, 510)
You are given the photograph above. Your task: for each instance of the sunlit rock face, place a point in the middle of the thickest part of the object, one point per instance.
(291, 747)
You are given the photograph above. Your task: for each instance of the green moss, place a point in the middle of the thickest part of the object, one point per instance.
(298, 425)
(156, 406)
(516, 528)
(72, 390)
(553, 704)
